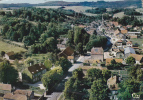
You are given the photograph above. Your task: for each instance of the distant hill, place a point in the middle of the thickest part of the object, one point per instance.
(104, 4)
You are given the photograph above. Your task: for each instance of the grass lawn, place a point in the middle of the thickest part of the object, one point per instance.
(8, 47)
(37, 90)
(39, 56)
(139, 41)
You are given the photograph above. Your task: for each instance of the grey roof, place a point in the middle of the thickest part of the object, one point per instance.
(129, 50)
(134, 32)
(97, 50)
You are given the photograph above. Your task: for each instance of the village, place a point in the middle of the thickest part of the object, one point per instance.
(103, 57)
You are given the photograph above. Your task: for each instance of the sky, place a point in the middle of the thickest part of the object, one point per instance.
(42, 1)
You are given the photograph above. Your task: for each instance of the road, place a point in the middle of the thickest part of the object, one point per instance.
(59, 89)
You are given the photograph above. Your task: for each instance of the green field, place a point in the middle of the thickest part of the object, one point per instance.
(75, 8)
(8, 47)
(139, 41)
(119, 15)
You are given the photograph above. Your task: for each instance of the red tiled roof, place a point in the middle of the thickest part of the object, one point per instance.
(15, 96)
(119, 41)
(124, 31)
(129, 42)
(115, 23)
(23, 92)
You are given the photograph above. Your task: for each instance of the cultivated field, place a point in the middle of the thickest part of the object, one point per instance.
(8, 47)
(75, 8)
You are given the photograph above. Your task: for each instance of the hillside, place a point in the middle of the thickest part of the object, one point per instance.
(126, 3)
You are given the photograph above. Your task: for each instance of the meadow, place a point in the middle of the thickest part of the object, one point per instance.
(139, 41)
(8, 47)
(119, 15)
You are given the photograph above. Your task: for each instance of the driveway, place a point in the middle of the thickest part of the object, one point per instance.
(106, 55)
(38, 84)
(59, 89)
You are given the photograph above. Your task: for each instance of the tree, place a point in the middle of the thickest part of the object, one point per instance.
(72, 89)
(50, 44)
(136, 73)
(96, 41)
(98, 91)
(78, 38)
(130, 60)
(93, 74)
(50, 78)
(64, 63)
(78, 74)
(27, 40)
(8, 74)
(127, 88)
(2, 53)
(29, 61)
(79, 48)
(115, 65)
(106, 75)
(48, 64)
(52, 57)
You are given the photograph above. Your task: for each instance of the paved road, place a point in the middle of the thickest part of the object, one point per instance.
(106, 55)
(38, 84)
(59, 89)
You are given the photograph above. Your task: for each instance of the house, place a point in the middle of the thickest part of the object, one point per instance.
(138, 58)
(67, 52)
(133, 34)
(124, 31)
(71, 59)
(128, 51)
(90, 32)
(11, 96)
(116, 24)
(119, 43)
(62, 43)
(34, 73)
(61, 46)
(118, 53)
(97, 53)
(108, 61)
(82, 26)
(29, 94)
(129, 26)
(9, 55)
(136, 28)
(112, 84)
(124, 27)
(5, 88)
(118, 33)
(129, 44)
